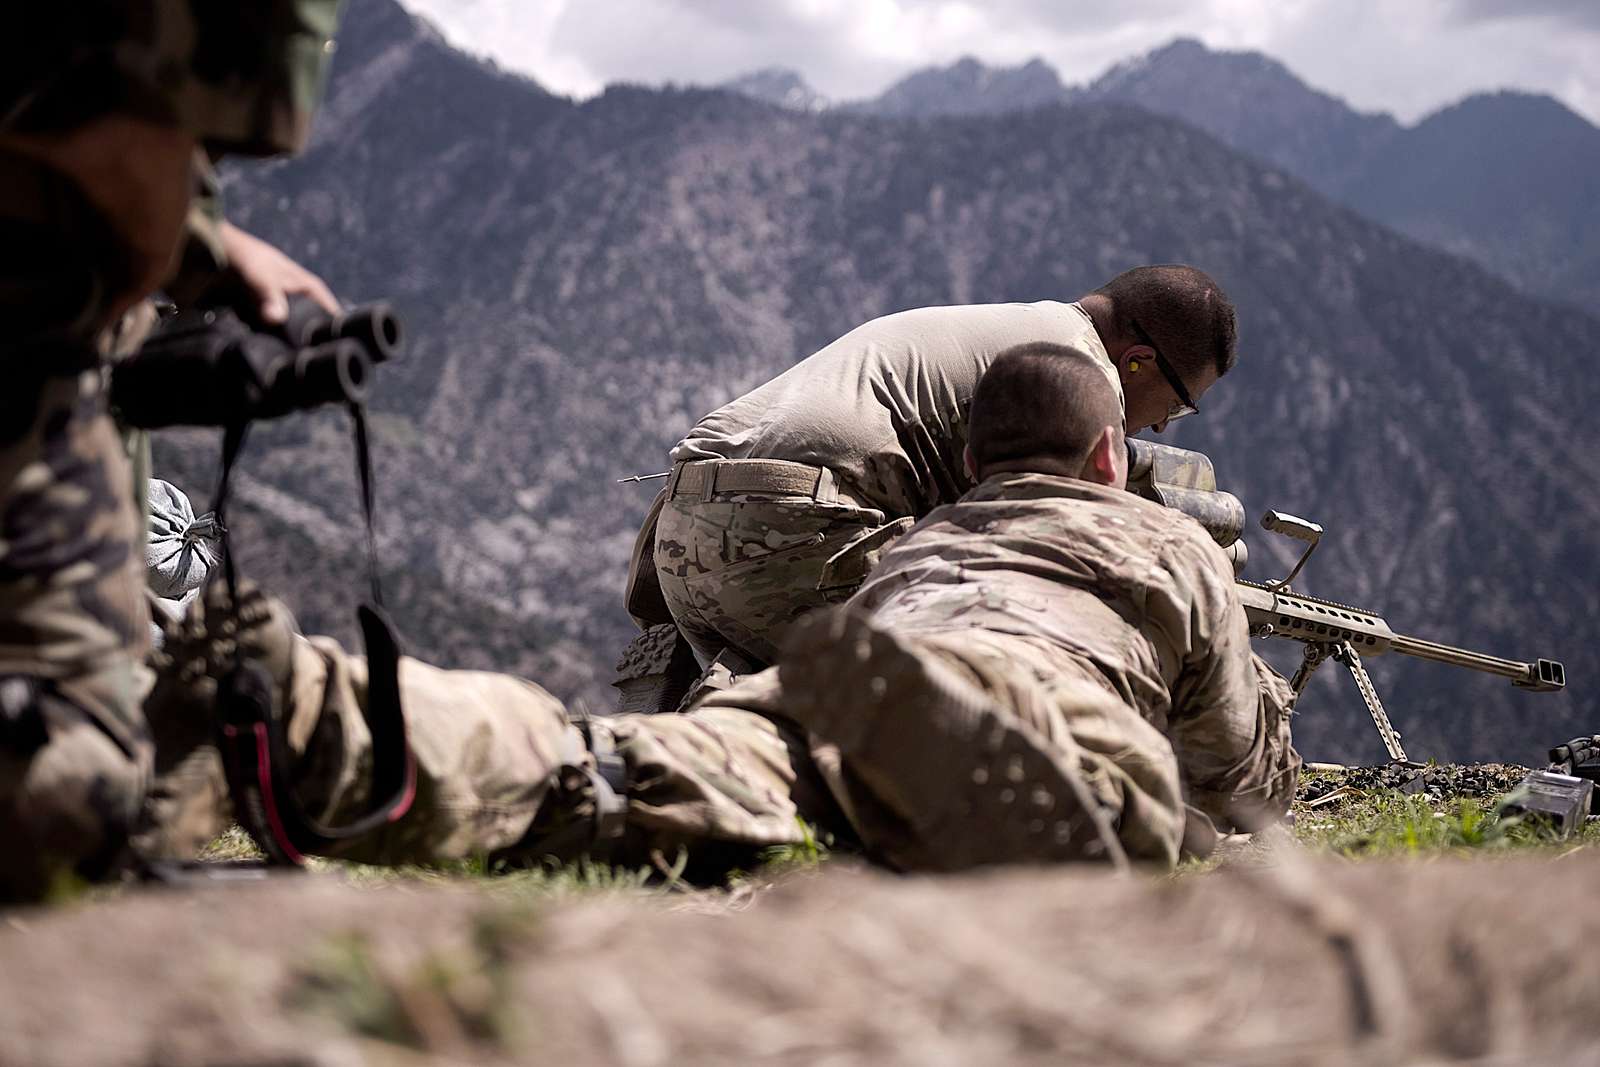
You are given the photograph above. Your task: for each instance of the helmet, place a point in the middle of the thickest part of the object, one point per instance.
(242, 76)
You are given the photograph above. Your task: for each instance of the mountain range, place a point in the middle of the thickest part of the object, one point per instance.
(1510, 180)
(582, 281)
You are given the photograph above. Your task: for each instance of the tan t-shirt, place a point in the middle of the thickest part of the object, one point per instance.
(885, 406)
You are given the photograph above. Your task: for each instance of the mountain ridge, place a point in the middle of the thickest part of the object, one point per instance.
(1503, 177)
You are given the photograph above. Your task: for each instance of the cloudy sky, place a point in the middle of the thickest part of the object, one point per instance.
(1407, 57)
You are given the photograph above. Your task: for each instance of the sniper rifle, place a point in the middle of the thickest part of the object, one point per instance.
(1185, 480)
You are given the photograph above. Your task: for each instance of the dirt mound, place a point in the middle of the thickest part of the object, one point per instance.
(1315, 963)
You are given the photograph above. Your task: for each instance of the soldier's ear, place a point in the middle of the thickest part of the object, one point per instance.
(1107, 463)
(970, 463)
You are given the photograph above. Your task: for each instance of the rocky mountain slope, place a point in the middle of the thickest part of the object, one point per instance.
(968, 87)
(582, 281)
(1510, 180)
(1254, 103)
(779, 86)
(1507, 179)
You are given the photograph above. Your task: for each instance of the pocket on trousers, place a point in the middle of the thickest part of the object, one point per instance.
(849, 567)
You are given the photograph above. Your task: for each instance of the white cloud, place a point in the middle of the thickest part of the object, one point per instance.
(1403, 56)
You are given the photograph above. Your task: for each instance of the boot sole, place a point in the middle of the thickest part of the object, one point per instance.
(975, 784)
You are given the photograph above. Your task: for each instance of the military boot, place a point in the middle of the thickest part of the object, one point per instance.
(963, 781)
(188, 805)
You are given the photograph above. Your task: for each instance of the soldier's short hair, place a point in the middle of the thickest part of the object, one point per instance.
(1181, 309)
(1041, 399)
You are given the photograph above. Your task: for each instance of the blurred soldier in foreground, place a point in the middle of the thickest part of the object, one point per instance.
(1049, 669)
(105, 108)
(782, 501)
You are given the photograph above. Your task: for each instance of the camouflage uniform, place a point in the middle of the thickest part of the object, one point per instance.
(75, 749)
(869, 435)
(1085, 585)
(1046, 670)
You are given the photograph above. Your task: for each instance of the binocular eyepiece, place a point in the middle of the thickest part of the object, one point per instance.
(210, 368)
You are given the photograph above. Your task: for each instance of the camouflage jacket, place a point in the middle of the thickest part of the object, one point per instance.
(1137, 597)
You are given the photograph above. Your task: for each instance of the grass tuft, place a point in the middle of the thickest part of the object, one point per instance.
(447, 1001)
(1376, 822)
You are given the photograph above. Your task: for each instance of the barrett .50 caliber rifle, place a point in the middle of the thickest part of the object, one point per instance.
(1185, 480)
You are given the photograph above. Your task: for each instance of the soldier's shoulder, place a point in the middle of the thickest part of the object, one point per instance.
(1178, 539)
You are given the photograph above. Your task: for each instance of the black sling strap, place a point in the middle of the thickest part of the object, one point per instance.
(255, 751)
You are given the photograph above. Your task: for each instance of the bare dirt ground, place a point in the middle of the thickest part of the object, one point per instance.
(1314, 961)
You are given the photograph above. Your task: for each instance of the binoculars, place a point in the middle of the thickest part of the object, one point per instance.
(209, 367)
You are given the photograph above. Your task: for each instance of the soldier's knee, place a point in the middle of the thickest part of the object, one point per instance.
(68, 792)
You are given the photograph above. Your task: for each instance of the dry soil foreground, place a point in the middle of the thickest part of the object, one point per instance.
(1315, 962)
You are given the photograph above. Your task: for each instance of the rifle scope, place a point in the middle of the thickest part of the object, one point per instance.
(1185, 481)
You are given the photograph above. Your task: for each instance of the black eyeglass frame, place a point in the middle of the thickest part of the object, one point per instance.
(1186, 404)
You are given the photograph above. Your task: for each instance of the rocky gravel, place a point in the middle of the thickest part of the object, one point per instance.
(1437, 782)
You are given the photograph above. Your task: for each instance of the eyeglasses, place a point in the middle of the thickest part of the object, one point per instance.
(1185, 404)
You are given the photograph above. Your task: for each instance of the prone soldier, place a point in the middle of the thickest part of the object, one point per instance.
(1049, 669)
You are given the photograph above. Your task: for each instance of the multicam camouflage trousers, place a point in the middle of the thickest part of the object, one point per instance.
(740, 771)
(720, 783)
(74, 749)
(738, 568)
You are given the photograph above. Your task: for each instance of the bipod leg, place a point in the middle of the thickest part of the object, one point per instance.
(1345, 653)
(1315, 653)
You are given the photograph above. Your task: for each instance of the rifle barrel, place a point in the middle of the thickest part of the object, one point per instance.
(1541, 674)
(1306, 618)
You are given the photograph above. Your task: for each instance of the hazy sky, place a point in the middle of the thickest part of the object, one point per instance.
(1407, 57)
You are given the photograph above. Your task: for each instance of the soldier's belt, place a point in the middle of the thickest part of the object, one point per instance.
(700, 480)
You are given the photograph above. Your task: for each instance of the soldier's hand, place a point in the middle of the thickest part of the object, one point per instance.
(272, 277)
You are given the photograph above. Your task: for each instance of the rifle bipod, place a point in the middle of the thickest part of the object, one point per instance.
(1344, 652)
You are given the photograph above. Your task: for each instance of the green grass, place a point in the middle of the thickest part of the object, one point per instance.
(1361, 824)
(813, 849)
(550, 881)
(449, 1000)
(1385, 822)
(581, 878)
